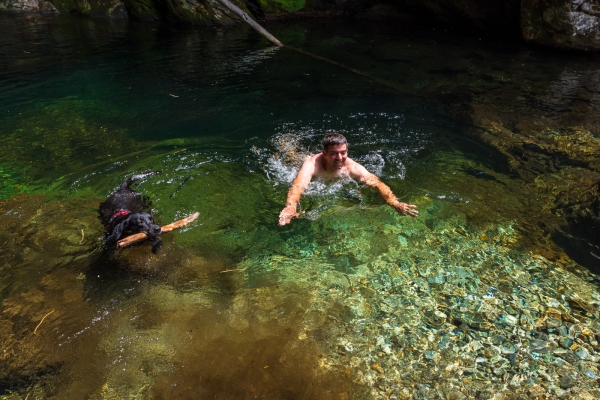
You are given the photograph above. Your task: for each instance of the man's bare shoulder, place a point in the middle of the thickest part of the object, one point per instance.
(356, 170)
(310, 168)
(316, 160)
(315, 157)
(350, 163)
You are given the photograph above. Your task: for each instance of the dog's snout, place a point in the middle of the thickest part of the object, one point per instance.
(154, 231)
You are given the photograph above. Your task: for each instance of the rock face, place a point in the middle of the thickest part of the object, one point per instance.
(27, 6)
(304, 6)
(196, 12)
(143, 10)
(567, 24)
(199, 12)
(96, 8)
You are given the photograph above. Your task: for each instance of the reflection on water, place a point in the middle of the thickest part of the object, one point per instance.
(471, 299)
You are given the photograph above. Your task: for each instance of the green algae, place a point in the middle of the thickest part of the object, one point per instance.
(11, 183)
(56, 134)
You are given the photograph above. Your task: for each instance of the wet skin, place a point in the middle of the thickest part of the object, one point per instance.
(333, 163)
(334, 158)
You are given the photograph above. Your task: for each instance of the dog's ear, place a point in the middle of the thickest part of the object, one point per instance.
(118, 231)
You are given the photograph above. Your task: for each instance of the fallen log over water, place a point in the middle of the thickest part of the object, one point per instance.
(274, 40)
(251, 22)
(138, 237)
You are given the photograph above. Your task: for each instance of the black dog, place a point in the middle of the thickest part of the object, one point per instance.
(126, 212)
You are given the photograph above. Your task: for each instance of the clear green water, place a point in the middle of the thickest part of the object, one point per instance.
(350, 300)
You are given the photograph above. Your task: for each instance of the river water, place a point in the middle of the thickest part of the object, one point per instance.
(485, 293)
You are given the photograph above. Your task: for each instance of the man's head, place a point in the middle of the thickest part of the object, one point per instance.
(335, 151)
(334, 139)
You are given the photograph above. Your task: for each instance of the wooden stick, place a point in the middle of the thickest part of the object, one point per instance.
(233, 270)
(138, 237)
(38, 325)
(236, 10)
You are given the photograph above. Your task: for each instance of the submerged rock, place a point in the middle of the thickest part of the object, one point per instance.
(567, 382)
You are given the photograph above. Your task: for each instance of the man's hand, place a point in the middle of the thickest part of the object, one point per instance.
(406, 209)
(287, 214)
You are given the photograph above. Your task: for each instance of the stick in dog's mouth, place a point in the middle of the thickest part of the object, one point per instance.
(164, 229)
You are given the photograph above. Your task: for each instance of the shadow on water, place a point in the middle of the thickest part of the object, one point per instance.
(581, 241)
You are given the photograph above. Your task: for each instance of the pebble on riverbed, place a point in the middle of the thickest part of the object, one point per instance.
(463, 318)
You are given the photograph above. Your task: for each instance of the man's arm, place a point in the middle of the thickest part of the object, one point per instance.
(298, 185)
(360, 173)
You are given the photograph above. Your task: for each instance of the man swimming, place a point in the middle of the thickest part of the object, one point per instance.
(333, 163)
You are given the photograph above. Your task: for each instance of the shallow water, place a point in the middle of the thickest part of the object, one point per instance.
(351, 300)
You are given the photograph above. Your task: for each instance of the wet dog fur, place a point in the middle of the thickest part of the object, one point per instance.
(126, 212)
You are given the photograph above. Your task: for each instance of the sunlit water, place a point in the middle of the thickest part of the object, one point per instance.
(350, 300)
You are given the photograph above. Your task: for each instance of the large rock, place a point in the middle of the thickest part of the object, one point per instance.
(196, 12)
(27, 6)
(566, 24)
(303, 6)
(201, 12)
(143, 10)
(96, 8)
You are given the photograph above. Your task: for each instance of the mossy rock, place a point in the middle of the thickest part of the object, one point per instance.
(143, 10)
(72, 6)
(309, 6)
(95, 8)
(202, 12)
(279, 6)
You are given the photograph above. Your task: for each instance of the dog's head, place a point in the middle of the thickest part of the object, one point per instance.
(138, 222)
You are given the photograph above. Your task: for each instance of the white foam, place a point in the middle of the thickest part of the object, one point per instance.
(379, 141)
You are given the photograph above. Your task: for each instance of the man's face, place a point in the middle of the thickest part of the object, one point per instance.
(335, 156)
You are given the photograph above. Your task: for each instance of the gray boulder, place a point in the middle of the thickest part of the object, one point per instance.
(566, 24)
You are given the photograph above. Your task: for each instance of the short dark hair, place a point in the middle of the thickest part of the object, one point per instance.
(332, 139)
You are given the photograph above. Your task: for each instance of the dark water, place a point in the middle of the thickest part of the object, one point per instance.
(349, 301)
